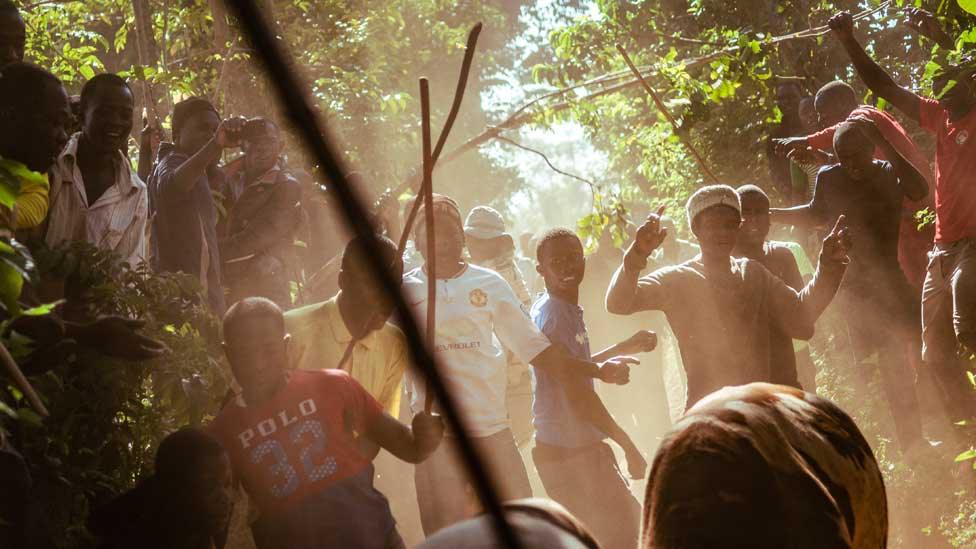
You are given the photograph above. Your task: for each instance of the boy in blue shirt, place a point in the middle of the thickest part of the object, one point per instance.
(577, 468)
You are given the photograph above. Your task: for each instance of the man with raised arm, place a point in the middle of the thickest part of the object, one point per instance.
(836, 103)
(877, 300)
(184, 231)
(949, 292)
(722, 308)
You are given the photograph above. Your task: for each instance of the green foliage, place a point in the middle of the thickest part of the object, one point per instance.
(108, 415)
(361, 59)
(724, 103)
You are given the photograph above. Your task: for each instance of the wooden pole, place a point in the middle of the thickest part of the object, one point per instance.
(664, 110)
(431, 244)
(448, 124)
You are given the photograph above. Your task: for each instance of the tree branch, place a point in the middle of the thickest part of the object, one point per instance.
(518, 145)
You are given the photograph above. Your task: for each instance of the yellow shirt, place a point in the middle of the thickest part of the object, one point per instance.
(31, 206)
(319, 338)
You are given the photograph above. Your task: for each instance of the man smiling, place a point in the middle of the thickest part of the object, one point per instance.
(722, 308)
(96, 196)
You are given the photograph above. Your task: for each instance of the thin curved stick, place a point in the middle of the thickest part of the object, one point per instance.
(664, 110)
(517, 145)
(445, 131)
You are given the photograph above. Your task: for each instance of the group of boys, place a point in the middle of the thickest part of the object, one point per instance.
(880, 180)
(302, 439)
(167, 216)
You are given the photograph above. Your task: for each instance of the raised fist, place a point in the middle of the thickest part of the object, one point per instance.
(842, 24)
(229, 132)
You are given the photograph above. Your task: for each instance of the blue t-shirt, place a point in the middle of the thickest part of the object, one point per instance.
(555, 422)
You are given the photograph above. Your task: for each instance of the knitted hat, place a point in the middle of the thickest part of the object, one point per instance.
(484, 223)
(712, 195)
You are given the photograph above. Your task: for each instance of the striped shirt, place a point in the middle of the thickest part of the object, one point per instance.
(117, 219)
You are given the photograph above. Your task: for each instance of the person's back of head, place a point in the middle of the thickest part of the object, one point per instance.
(34, 115)
(834, 102)
(362, 288)
(13, 34)
(764, 466)
(355, 260)
(854, 151)
(186, 502)
(536, 522)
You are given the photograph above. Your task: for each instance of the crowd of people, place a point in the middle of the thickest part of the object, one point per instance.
(323, 387)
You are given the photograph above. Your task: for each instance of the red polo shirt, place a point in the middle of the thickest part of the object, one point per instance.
(955, 171)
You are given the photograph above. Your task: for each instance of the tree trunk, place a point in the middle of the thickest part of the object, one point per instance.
(157, 107)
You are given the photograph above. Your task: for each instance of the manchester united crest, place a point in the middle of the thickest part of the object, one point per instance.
(478, 297)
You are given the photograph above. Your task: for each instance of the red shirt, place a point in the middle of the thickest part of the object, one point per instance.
(890, 129)
(955, 171)
(297, 444)
(913, 244)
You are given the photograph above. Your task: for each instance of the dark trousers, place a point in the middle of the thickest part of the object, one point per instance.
(884, 335)
(444, 492)
(588, 482)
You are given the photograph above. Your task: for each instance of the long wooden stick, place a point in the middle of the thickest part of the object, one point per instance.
(21, 380)
(428, 192)
(664, 110)
(293, 96)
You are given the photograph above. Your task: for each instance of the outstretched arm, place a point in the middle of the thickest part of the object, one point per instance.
(910, 179)
(796, 312)
(411, 444)
(643, 341)
(615, 370)
(798, 216)
(879, 81)
(587, 405)
(185, 177)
